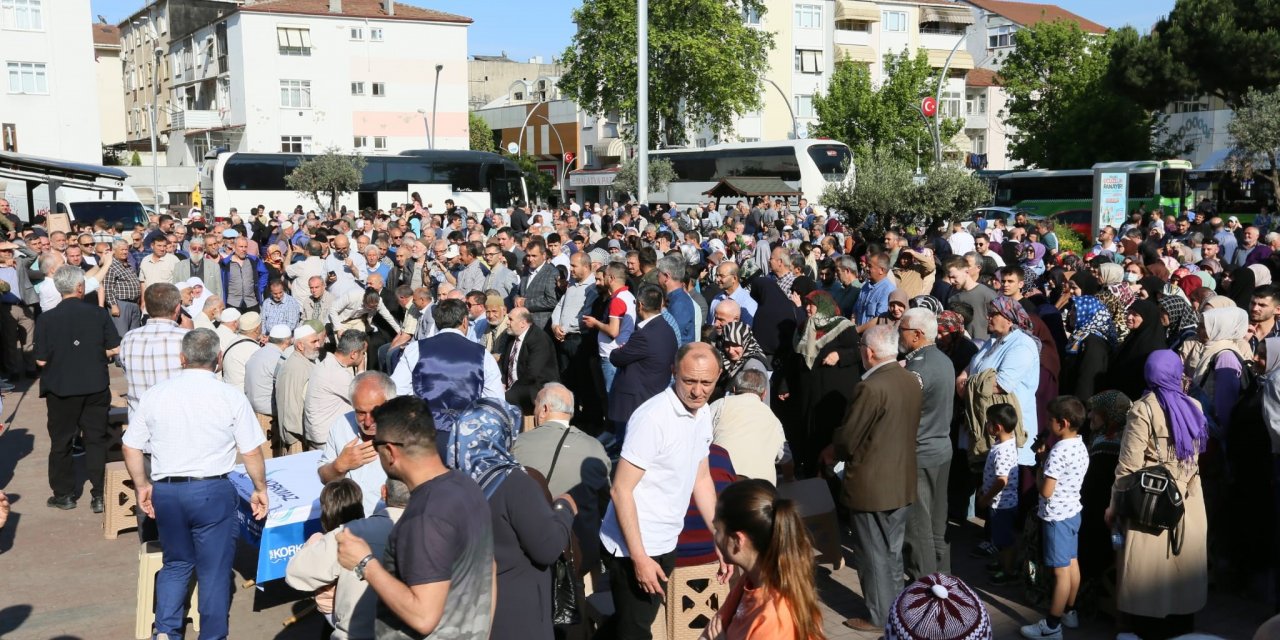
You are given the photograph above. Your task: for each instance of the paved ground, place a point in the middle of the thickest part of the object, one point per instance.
(59, 578)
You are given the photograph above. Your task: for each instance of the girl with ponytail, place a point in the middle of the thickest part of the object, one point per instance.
(765, 538)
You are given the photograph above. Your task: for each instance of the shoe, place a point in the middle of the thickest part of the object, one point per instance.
(1071, 619)
(984, 550)
(860, 624)
(1000, 578)
(97, 504)
(1041, 631)
(6, 386)
(61, 502)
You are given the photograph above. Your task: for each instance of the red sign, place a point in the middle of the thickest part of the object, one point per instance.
(568, 157)
(929, 107)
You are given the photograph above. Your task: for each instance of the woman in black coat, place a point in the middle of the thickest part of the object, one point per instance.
(1093, 334)
(821, 375)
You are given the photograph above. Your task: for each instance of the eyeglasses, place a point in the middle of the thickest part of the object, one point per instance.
(379, 443)
(86, 244)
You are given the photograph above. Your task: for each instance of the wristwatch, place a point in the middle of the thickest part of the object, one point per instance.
(359, 570)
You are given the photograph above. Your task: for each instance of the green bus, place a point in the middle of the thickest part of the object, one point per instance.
(1071, 197)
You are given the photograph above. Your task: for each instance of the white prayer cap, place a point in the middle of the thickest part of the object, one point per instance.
(280, 332)
(303, 331)
(229, 315)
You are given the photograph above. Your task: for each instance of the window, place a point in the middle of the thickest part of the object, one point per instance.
(1000, 37)
(980, 143)
(701, 142)
(379, 89)
(357, 33)
(894, 21)
(976, 105)
(809, 16)
(28, 77)
(750, 15)
(293, 41)
(22, 15)
(380, 143)
(357, 88)
(360, 142)
(375, 34)
(295, 94)
(950, 105)
(804, 106)
(808, 61)
(295, 144)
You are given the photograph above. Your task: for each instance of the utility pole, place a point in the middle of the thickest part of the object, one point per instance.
(642, 88)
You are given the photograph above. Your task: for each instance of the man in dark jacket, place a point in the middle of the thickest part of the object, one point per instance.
(877, 443)
(644, 362)
(244, 278)
(529, 363)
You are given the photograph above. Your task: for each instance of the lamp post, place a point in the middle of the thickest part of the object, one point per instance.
(520, 139)
(795, 128)
(642, 89)
(435, 95)
(426, 125)
(937, 96)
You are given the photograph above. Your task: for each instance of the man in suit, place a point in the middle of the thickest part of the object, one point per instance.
(644, 362)
(529, 363)
(538, 288)
(877, 443)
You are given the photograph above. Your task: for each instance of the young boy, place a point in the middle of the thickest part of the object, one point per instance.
(998, 492)
(1059, 510)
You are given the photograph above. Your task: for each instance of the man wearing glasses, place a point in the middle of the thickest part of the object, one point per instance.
(501, 278)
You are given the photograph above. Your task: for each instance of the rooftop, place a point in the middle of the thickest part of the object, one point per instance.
(1031, 13)
(981, 78)
(106, 34)
(354, 9)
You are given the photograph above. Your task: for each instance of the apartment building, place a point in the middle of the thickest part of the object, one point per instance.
(110, 85)
(301, 76)
(49, 106)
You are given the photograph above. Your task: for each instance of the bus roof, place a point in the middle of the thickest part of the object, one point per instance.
(1143, 165)
(795, 144)
(1046, 173)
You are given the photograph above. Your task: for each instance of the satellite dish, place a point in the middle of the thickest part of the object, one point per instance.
(513, 148)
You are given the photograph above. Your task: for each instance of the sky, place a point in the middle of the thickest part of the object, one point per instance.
(524, 29)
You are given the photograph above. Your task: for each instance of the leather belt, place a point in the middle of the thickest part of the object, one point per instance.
(192, 478)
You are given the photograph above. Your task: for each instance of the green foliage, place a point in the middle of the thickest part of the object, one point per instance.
(1256, 130)
(1063, 111)
(481, 134)
(539, 184)
(628, 179)
(1069, 240)
(863, 117)
(327, 177)
(1219, 48)
(887, 194)
(705, 63)
(135, 160)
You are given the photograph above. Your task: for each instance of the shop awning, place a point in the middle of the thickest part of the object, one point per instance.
(855, 53)
(740, 186)
(610, 148)
(858, 10)
(949, 15)
(961, 60)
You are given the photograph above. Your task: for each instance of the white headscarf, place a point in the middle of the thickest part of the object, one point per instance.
(197, 302)
(1224, 330)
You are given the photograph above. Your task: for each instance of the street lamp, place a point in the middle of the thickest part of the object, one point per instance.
(434, 96)
(426, 125)
(552, 127)
(795, 128)
(937, 97)
(642, 101)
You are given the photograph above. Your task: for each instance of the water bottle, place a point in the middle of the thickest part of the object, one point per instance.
(1117, 539)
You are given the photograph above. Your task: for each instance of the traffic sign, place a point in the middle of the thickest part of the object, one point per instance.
(929, 107)
(513, 148)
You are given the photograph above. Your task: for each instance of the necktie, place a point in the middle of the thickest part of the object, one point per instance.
(511, 360)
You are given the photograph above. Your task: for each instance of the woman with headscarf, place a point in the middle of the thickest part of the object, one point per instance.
(1115, 295)
(1219, 368)
(1093, 336)
(1261, 275)
(1032, 263)
(820, 379)
(1014, 355)
(1146, 335)
(1159, 591)
(1189, 283)
(198, 295)
(1240, 286)
(1179, 320)
(740, 351)
(528, 533)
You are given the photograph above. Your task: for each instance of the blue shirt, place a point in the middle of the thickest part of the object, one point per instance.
(739, 296)
(681, 307)
(1016, 360)
(873, 300)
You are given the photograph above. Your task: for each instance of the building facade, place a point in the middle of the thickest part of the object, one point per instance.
(106, 58)
(491, 77)
(46, 108)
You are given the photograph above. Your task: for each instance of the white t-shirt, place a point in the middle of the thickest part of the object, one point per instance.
(1002, 462)
(1067, 463)
(669, 443)
(622, 305)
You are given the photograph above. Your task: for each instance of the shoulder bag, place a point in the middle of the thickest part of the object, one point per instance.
(564, 585)
(1150, 497)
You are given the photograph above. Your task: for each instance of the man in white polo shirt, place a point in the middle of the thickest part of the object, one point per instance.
(664, 461)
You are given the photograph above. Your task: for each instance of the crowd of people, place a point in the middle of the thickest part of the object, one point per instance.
(622, 388)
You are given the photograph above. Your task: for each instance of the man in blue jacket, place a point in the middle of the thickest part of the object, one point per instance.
(244, 278)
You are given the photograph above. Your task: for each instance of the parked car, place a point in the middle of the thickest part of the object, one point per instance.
(990, 214)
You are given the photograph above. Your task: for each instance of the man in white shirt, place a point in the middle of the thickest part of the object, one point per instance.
(300, 273)
(348, 452)
(159, 266)
(358, 306)
(961, 241)
(664, 461)
(328, 393)
(236, 356)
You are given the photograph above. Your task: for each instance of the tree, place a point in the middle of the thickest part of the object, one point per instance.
(947, 194)
(1256, 130)
(135, 160)
(327, 176)
(859, 115)
(1063, 111)
(627, 180)
(481, 134)
(539, 184)
(705, 63)
(887, 194)
(1219, 48)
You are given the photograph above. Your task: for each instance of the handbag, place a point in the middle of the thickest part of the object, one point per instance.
(564, 585)
(1150, 498)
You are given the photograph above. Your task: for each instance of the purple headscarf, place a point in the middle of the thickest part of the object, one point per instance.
(1187, 424)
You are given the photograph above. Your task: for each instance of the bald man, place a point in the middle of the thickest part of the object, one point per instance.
(731, 289)
(727, 311)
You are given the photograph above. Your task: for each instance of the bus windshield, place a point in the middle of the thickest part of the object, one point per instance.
(113, 211)
(832, 159)
(1172, 183)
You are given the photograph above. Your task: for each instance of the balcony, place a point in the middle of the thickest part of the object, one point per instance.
(197, 119)
(942, 40)
(975, 121)
(862, 38)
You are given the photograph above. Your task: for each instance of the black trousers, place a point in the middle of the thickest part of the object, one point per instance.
(634, 610)
(70, 416)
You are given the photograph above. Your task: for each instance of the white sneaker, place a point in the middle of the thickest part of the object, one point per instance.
(1071, 620)
(1041, 631)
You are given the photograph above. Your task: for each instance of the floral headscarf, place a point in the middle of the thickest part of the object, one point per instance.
(1181, 316)
(480, 443)
(824, 324)
(739, 333)
(1113, 406)
(1091, 318)
(950, 322)
(1012, 311)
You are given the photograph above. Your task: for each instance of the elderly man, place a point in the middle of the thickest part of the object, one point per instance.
(236, 356)
(260, 375)
(731, 289)
(348, 450)
(663, 463)
(159, 266)
(200, 265)
(244, 278)
(356, 309)
(747, 428)
(292, 377)
(671, 275)
(193, 426)
(529, 363)
(280, 308)
(496, 338)
(727, 311)
(318, 302)
(122, 289)
(228, 328)
(877, 443)
(572, 461)
(328, 393)
(926, 542)
(873, 298)
(209, 311)
(73, 342)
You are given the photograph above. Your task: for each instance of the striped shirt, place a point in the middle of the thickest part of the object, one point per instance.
(286, 312)
(150, 355)
(120, 283)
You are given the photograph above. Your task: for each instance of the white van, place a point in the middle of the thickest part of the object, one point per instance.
(82, 204)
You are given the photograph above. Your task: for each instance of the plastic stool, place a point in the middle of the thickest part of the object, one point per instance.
(150, 559)
(122, 502)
